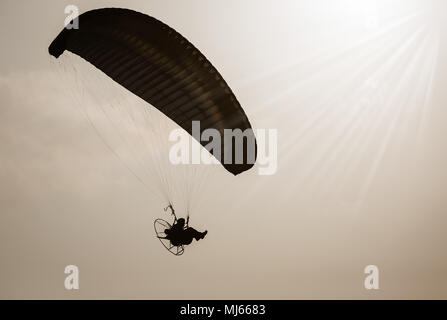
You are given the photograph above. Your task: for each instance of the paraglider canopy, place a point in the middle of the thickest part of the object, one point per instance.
(159, 65)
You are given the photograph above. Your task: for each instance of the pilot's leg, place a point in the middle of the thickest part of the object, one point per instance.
(195, 234)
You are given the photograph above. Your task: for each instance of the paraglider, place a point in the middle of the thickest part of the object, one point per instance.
(156, 63)
(174, 237)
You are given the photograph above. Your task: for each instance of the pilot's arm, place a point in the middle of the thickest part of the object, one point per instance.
(172, 212)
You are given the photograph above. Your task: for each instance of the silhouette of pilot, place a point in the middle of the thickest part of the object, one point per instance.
(181, 233)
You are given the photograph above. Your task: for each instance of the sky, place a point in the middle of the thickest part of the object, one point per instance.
(356, 92)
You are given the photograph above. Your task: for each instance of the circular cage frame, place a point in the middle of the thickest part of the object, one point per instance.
(159, 226)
